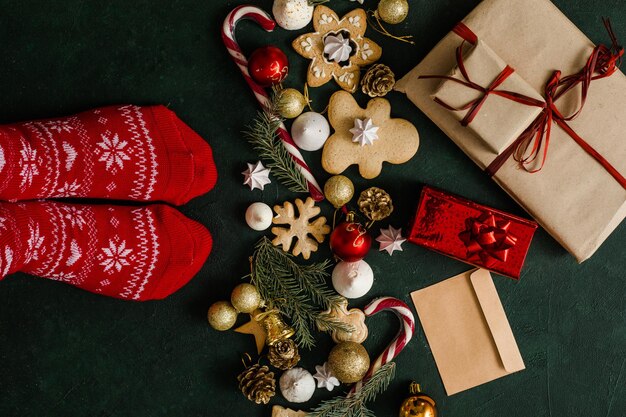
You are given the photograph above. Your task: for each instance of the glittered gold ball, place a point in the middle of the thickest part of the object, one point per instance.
(338, 190)
(349, 362)
(291, 103)
(222, 315)
(392, 11)
(245, 298)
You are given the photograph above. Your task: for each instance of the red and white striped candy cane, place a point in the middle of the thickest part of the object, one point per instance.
(407, 320)
(228, 36)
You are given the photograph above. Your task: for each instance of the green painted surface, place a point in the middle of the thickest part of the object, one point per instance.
(66, 352)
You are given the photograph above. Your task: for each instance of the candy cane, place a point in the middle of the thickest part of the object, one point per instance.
(407, 320)
(228, 36)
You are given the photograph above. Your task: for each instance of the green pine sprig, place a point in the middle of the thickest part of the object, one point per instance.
(298, 291)
(261, 134)
(354, 406)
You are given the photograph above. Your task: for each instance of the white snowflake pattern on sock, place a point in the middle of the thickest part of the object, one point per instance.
(114, 152)
(75, 216)
(29, 164)
(34, 243)
(6, 259)
(69, 189)
(115, 256)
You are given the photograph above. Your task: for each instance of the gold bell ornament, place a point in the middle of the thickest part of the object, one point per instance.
(418, 404)
(275, 328)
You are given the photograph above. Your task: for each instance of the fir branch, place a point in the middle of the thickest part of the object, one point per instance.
(261, 134)
(299, 291)
(354, 406)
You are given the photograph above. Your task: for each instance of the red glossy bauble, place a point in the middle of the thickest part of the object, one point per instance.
(350, 241)
(268, 66)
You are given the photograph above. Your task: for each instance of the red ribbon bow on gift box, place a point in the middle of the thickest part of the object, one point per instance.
(535, 140)
(487, 238)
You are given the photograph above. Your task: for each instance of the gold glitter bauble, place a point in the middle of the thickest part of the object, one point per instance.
(338, 190)
(418, 404)
(392, 11)
(245, 298)
(222, 315)
(291, 103)
(349, 362)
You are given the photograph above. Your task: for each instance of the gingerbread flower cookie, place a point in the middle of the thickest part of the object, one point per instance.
(366, 137)
(337, 48)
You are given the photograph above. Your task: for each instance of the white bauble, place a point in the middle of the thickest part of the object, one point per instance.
(292, 14)
(297, 385)
(310, 131)
(353, 279)
(259, 216)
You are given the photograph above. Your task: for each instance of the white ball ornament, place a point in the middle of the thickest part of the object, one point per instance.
(292, 14)
(353, 279)
(310, 131)
(259, 216)
(297, 385)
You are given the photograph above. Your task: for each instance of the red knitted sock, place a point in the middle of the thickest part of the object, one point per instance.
(117, 152)
(135, 253)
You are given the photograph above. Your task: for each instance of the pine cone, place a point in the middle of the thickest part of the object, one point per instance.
(257, 383)
(375, 203)
(378, 81)
(284, 354)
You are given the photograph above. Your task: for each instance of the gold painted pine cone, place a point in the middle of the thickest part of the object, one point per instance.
(257, 383)
(375, 203)
(378, 81)
(284, 354)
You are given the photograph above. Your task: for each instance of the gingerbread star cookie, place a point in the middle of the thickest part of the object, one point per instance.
(366, 137)
(337, 49)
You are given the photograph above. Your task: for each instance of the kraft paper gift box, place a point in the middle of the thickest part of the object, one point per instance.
(467, 330)
(500, 120)
(573, 197)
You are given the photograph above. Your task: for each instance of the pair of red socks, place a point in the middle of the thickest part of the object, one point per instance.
(132, 153)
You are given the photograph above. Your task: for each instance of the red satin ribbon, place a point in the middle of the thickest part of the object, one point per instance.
(535, 140)
(487, 239)
(474, 106)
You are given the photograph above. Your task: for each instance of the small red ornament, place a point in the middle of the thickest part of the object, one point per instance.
(350, 241)
(268, 66)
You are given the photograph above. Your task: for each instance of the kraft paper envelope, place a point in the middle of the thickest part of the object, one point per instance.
(467, 330)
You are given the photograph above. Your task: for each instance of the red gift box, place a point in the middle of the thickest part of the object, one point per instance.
(473, 233)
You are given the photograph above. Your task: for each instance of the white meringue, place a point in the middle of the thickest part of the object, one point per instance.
(337, 47)
(310, 131)
(259, 216)
(256, 176)
(364, 132)
(297, 385)
(292, 14)
(353, 279)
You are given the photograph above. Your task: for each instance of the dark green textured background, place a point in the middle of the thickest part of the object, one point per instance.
(66, 352)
